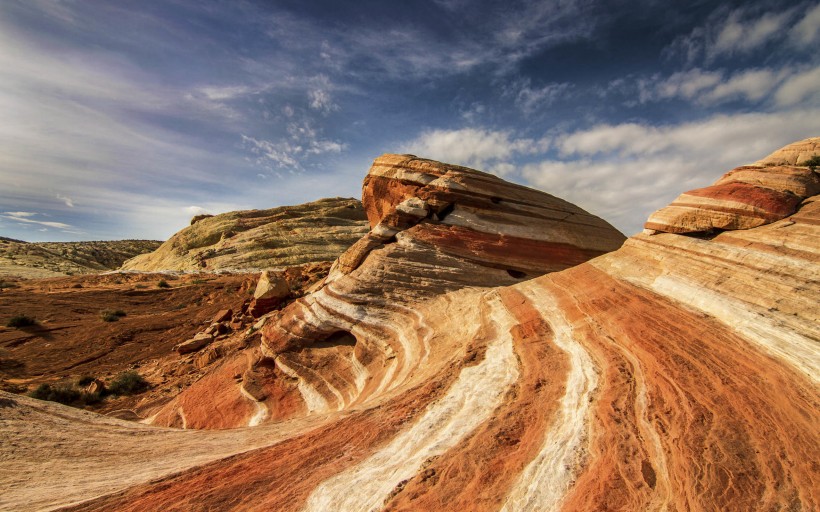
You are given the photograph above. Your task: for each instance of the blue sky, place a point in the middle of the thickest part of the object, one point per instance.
(123, 119)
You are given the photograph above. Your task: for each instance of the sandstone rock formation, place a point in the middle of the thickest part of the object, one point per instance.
(675, 373)
(434, 228)
(258, 239)
(746, 197)
(52, 259)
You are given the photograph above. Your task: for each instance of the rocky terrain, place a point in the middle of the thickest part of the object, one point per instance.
(488, 347)
(259, 239)
(53, 259)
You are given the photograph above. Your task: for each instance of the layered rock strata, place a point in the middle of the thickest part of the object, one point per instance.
(745, 197)
(676, 373)
(259, 239)
(435, 228)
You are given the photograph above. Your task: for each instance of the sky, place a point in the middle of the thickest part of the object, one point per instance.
(124, 119)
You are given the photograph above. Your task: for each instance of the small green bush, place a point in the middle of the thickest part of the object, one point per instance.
(20, 321)
(163, 284)
(128, 383)
(8, 284)
(812, 163)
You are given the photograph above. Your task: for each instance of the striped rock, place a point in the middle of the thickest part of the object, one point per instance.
(793, 154)
(746, 197)
(676, 373)
(435, 228)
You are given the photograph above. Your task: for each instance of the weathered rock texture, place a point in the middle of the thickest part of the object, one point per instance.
(435, 228)
(258, 239)
(53, 259)
(676, 373)
(746, 197)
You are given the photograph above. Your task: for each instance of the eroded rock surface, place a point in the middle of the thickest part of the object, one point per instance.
(746, 197)
(259, 239)
(675, 373)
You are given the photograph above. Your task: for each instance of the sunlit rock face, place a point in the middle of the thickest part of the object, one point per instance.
(435, 228)
(258, 239)
(746, 197)
(675, 373)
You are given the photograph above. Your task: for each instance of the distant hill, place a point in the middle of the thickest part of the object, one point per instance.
(256, 239)
(50, 259)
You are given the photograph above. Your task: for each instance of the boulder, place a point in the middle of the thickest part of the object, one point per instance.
(194, 344)
(272, 290)
(222, 316)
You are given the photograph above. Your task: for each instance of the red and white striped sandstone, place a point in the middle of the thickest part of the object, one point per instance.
(676, 373)
(746, 197)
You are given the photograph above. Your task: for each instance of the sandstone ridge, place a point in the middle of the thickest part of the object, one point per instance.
(258, 239)
(678, 372)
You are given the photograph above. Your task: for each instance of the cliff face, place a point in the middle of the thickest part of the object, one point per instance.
(258, 239)
(678, 372)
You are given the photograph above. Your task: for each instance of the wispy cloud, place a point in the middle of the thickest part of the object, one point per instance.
(742, 31)
(25, 217)
(623, 172)
(489, 150)
(782, 87)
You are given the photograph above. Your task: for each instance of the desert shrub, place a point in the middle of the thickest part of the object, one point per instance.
(812, 163)
(61, 394)
(85, 380)
(128, 383)
(111, 316)
(20, 321)
(64, 394)
(8, 284)
(163, 284)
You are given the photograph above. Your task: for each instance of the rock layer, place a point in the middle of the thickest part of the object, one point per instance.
(259, 239)
(746, 197)
(676, 373)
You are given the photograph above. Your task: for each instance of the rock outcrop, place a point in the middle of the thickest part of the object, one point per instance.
(259, 239)
(675, 373)
(53, 259)
(746, 197)
(435, 228)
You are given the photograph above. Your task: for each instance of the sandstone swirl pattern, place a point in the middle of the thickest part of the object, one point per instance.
(675, 373)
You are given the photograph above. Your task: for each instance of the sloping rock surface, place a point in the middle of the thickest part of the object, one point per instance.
(675, 373)
(746, 197)
(258, 239)
(53, 259)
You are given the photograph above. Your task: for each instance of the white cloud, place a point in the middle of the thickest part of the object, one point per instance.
(806, 31)
(529, 98)
(800, 88)
(472, 147)
(785, 86)
(25, 218)
(743, 31)
(319, 95)
(195, 210)
(739, 35)
(67, 200)
(624, 172)
(303, 141)
(688, 84)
